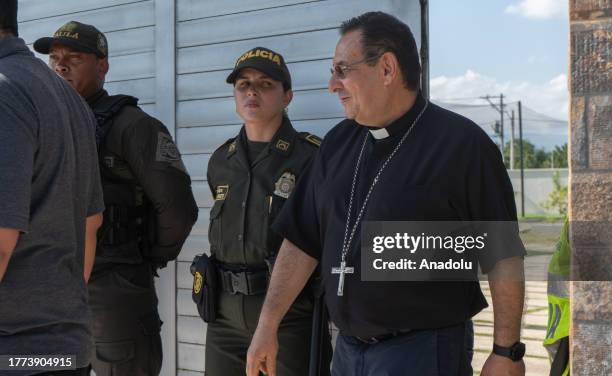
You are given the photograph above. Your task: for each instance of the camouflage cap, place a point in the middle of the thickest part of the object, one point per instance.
(79, 36)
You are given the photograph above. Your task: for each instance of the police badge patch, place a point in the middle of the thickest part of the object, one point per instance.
(221, 192)
(168, 152)
(197, 283)
(166, 149)
(284, 185)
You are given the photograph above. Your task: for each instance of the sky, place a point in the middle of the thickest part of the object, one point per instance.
(515, 47)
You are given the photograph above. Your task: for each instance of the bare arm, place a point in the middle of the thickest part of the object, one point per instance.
(291, 271)
(91, 228)
(8, 241)
(507, 285)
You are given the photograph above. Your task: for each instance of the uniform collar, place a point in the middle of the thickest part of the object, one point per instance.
(12, 46)
(284, 139)
(96, 97)
(402, 123)
(282, 143)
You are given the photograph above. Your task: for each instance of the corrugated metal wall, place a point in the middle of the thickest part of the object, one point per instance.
(183, 70)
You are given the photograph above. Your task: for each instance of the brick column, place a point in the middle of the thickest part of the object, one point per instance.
(591, 185)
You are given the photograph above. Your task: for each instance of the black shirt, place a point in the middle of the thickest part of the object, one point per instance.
(254, 149)
(447, 169)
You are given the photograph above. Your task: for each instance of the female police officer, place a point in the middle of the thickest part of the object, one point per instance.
(250, 177)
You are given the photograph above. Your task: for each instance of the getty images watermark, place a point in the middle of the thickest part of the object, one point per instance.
(435, 251)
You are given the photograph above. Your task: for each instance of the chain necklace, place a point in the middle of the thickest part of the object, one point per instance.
(342, 270)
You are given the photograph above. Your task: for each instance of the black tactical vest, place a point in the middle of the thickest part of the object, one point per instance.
(125, 234)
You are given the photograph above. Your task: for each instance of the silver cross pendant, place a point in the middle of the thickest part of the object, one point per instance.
(342, 270)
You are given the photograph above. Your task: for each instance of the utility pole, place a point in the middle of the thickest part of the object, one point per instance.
(512, 141)
(499, 109)
(501, 124)
(520, 120)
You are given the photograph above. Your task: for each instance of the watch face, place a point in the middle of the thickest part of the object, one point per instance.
(517, 351)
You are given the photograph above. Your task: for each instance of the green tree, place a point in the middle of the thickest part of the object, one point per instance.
(559, 156)
(535, 157)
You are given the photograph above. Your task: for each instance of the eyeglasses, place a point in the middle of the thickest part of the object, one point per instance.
(339, 71)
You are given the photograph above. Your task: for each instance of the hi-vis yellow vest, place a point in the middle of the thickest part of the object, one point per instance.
(558, 295)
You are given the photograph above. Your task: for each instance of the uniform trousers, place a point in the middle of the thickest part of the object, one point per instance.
(229, 336)
(125, 322)
(433, 352)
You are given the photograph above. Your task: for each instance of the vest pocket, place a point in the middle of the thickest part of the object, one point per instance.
(214, 228)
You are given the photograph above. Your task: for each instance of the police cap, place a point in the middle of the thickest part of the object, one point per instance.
(81, 37)
(264, 60)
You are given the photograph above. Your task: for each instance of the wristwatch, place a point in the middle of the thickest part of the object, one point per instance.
(514, 352)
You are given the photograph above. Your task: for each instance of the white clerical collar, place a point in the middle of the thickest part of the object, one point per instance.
(379, 133)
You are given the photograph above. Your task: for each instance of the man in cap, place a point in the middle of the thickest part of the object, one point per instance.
(250, 177)
(50, 210)
(150, 208)
(396, 157)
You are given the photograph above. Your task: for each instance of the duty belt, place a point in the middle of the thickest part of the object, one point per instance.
(245, 282)
(384, 337)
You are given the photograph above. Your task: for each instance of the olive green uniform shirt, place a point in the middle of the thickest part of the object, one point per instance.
(248, 195)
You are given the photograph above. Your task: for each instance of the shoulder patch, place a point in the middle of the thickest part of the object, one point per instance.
(168, 152)
(315, 140)
(223, 148)
(166, 149)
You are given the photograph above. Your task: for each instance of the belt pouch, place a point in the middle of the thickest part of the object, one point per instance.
(204, 290)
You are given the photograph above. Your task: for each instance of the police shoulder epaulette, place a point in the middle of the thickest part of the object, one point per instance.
(315, 140)
(230, 145)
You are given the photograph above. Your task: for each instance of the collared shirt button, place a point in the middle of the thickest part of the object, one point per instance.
(243, 204)
(239, 236)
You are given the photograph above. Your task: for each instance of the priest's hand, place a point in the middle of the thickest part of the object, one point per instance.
(501, 366)
(262, 352)
(291, 271)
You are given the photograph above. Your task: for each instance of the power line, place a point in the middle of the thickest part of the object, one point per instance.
(456, 99)
(462, 104)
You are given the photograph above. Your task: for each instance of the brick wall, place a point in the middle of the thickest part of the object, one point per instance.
(591, 185)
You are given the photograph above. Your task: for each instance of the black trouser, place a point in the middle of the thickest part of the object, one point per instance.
(125, 324)
(73, 372)
(432, 352)
(229, 337)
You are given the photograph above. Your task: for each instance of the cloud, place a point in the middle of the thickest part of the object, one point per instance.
(545, 106)
(550, 98)
(539, 9)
